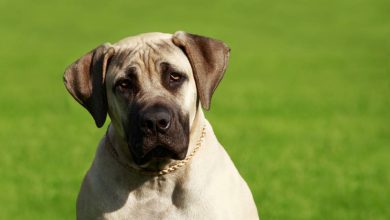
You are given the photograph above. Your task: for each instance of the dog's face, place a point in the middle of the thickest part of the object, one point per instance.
(150, 86)
(152, 96)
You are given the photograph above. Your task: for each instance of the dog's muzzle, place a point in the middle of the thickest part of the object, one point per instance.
(160, 132)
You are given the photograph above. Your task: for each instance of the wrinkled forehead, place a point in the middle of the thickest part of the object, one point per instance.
(148, 51)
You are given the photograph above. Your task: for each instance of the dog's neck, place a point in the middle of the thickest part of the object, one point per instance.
(121, 152)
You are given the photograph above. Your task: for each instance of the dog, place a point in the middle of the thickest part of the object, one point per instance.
(159, 158)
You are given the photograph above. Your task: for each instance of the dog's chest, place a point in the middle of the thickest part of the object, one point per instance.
(157, 198)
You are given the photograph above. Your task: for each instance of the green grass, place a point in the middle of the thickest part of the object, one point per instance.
(304, 109)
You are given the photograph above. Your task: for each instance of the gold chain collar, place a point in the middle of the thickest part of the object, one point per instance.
(167, 170)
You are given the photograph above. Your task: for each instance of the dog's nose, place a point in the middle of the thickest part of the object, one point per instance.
(156, 119)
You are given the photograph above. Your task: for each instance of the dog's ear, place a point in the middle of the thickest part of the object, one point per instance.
(85, 81)
(208, 58)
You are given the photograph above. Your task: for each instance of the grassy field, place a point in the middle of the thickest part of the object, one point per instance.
(304, 108)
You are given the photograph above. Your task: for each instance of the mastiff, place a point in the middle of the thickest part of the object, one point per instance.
(159, 158)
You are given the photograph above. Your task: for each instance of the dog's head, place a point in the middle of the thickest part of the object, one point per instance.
(150, 85)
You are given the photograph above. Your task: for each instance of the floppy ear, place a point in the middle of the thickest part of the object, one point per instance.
(208, 58)
(85, 81)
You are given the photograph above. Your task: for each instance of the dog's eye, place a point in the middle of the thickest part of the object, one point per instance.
(124, 84)
(174, 77)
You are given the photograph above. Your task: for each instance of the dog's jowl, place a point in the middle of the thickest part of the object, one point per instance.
(159, 158)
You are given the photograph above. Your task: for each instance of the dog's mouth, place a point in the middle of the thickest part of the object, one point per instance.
(157, 153)
(158, 147)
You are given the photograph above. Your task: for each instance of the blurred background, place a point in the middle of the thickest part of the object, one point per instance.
(303, 110)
